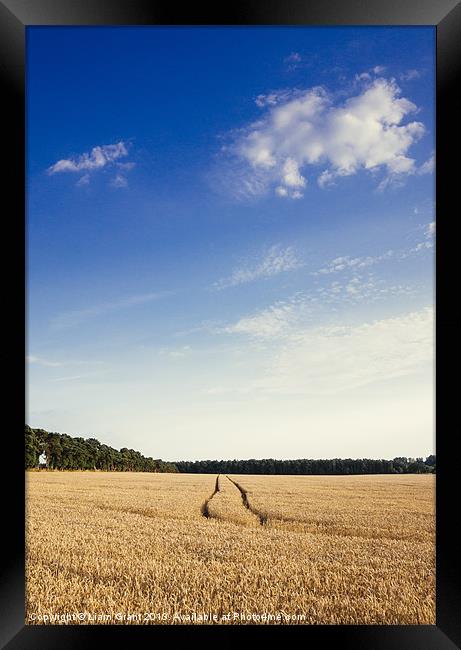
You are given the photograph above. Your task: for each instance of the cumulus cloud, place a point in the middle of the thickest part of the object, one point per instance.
(277, 260)
(307, 130)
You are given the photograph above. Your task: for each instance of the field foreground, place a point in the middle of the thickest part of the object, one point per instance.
(118, 548)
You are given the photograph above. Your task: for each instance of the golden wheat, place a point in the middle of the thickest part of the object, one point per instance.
(163, 548)
(227, 504)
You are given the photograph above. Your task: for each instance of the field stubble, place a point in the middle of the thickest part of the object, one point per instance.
(335, 550)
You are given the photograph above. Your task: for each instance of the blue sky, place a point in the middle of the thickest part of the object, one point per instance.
(231, 239)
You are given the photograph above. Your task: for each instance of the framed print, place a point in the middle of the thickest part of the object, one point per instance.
(224, 288)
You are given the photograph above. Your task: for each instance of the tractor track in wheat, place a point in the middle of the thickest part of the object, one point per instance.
(204, 509)
(246, 504)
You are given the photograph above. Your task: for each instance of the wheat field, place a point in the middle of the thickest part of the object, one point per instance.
(139, 548)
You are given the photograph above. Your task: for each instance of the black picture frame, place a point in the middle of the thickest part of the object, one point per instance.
(445, 16)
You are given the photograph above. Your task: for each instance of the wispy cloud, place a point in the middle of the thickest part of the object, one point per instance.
(310, 353)
(309, 130)
(331, 359)
(75, 317)
(276, 260)
(427, 167)
(370, 73)
(429, 229)
(359, 289)
(83, 180)
(297, 60)
(43, 362)
(273, 98)
(273, 322)
(176, 353)
(284, 318)
(119, 181)
(72, 377)
(428, 243)
(48, 363)
(98, 157)
(294, 57)
(85, 375)
(346, 262)
(101, 156)
(410, 75)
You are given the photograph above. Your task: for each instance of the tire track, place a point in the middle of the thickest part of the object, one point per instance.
(204, 509)
(246, 504)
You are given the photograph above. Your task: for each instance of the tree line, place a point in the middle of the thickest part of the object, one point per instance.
(74, 453)
(400, 465)
(67, 452)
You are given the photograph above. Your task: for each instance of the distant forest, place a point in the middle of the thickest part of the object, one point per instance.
(399, 465)
(66, 452)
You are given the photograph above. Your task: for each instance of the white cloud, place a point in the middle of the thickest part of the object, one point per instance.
(428, 243)
(409, 75)
(119, 181)
(84, 180)
(127, 166)
(47, 363)
(307, 129)
(363, 76)
(277, 260)
(427, 167)
(43, 362)
(273, 98)
(422, 246)
(295, 61)
(98, 158)
(75, 317)
(346, 262)
(328, 360)
(294, 57)
(282, 319)
(359, 289)
(176, 353)
(368, 75)
(292, 179)
(275, 321)
(85, 375)
(429, 229)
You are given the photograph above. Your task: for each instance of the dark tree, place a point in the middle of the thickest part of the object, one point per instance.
(66, 452)
(307, 466)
